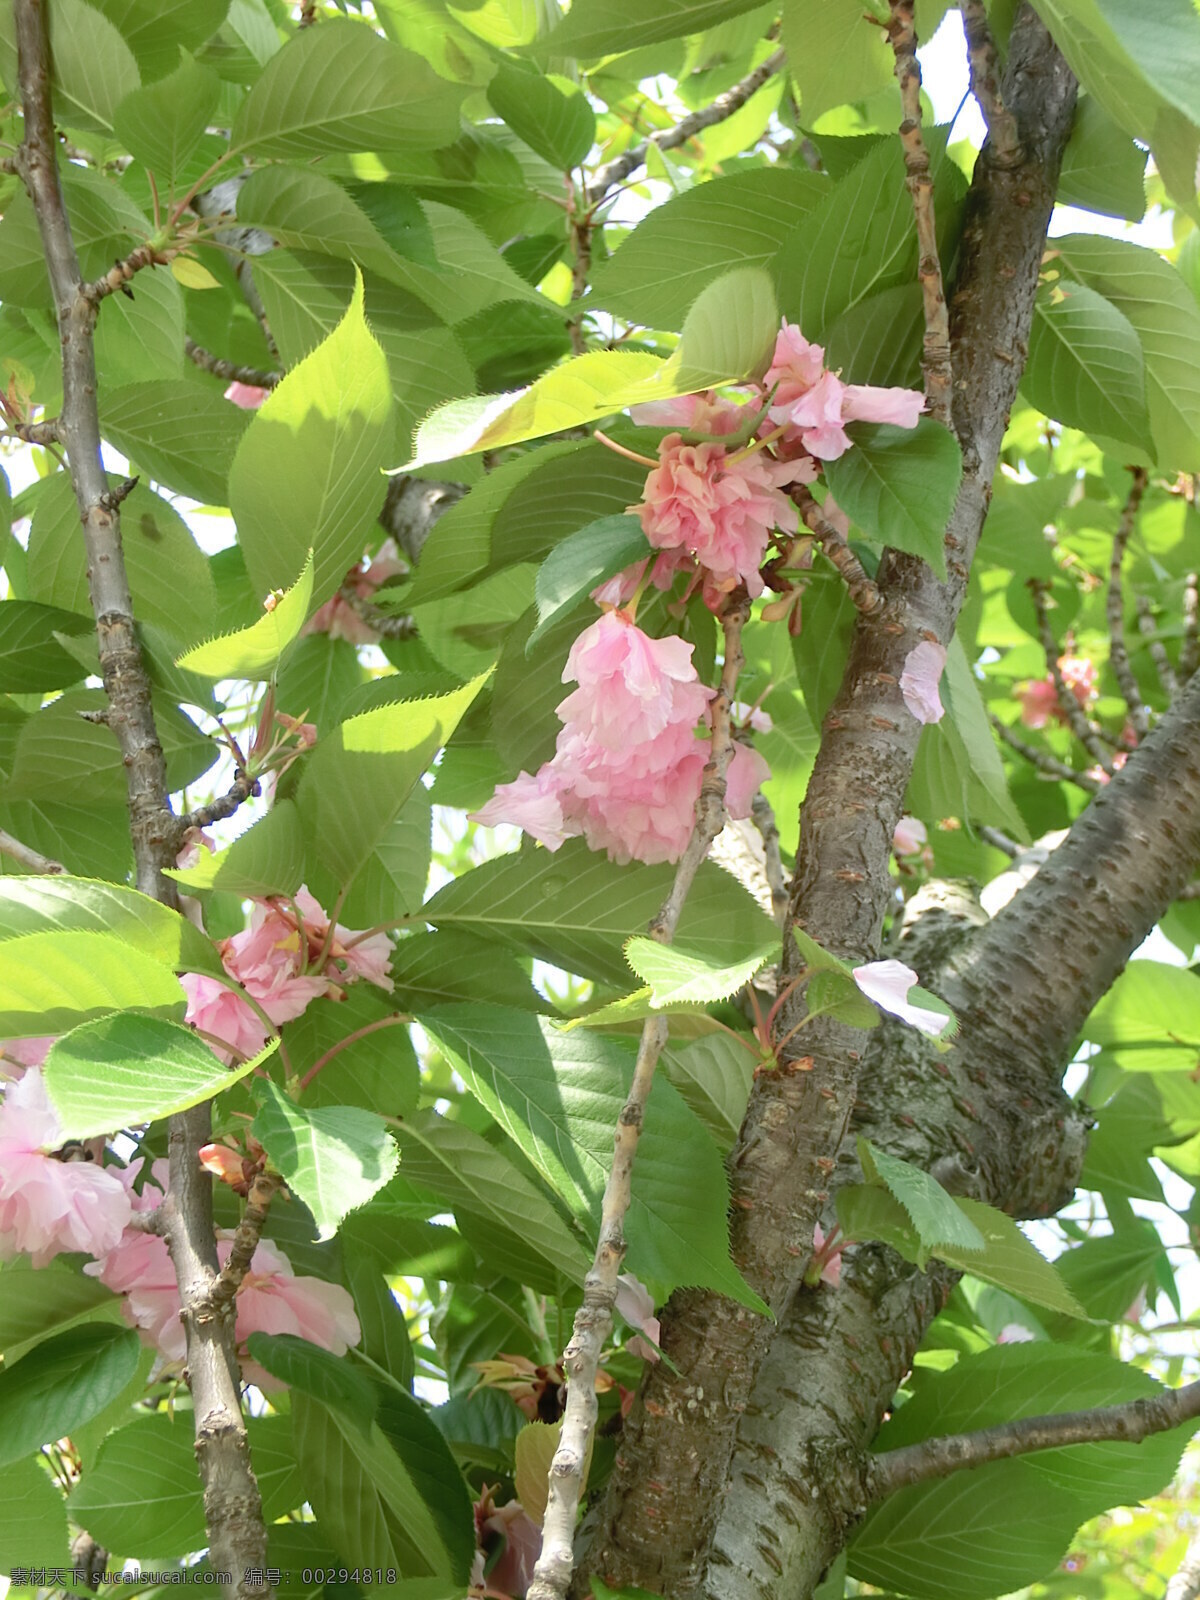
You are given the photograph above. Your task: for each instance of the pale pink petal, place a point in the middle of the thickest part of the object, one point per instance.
(747, 773)
(909, 836)
(886, 984)
(1015, 1333)
(635, 1304)
(533, 804)
(865, 403)
(246, 395)
(831, 1271)
(923, 669)
(218, 1011)
(1039, 702)
(17, 1055)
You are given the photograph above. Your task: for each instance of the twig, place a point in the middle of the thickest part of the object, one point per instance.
(233, 1506)
(387, 625)
(985, 83)
(1001, 841)
(240, 790)
(862, 590)
(1189, 653)
(593, 1321)
(120, 273)
(903, 39)
(31, 860)
(230, 371)
(722, 108)
(1044, 761)
(1130, 1422)
(1185, 1583)
(1081, 724)
(1162, 662)
(43, 433)
(245, 1240)
(1118, 654)
(763, 818)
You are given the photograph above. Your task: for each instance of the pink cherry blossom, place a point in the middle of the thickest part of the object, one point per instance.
(17, 1055)
(337, 617)
(630, 686)
(48, 1206)
(354, 956)
(831, 1269)
(696, 413)
(923, 668)
(1039, 699)
(747, 773)
(1098, 774)
(909, 836)
(531, 803)
(814, 404)
(717, 506)
(866, 403)
(636, 1305)
(751, 717)
(886, 984)
(637, 804)
(1015, 1333)
(512, 1573)
(216, 1010)
(246, 395)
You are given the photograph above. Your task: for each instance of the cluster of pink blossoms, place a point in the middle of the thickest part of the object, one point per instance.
(1039, 699)
(286, 958)
(337, 617)
(628, 767)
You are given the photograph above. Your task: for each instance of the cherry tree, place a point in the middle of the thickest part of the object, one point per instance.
(598, 649)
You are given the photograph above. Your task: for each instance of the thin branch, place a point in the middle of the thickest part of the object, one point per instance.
(1118, 654)
(240, 790)
(593, 1321)
(722, 108)
(1001, 841)
(1162, 662)
(1081, 724)
(1189, 654)
(119, 274)
(229, 371)
(31, 860)
(1044, 761)
(43, 433)
(903, 39)
(985, 83)
(1185, 1583)
(233, 1506)
(1130, 1422)
(862, 590)
(763, 818)
(385, 623)
(245, 1240)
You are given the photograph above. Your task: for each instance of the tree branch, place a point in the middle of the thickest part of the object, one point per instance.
(861, 589)
(229, 371)
(1189, 654)
(593, 1320)
(903, 39)
(985, 81)
(31, 860)
(1080, 723)
(233, 1508)
(1118, 654)
(1162, 662)
(246, 1239)
(240, 790)
(121, 272)
(1185, 1584)
(1043, 760)
(763, 818)
(1001, 841)
(1130, 1422)
(722, 108)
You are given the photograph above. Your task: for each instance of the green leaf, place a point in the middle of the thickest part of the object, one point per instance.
(94, 68)
(1103, 170)
(866, 1211)
(30, 658)
(559, 1096)
(1141, 67)
(728, 333)
(162, 124)
(156, 30)
(252, 652)
(306, 474)
(143, 1493)
(899, 485)
(385, 1337)
(713, 1073)
(679, 248)
(57, 750)
(37, 1302)
(125, 1069)
(938, 1220)
(334, 1159)
(51, 981)
(267, 859)
(1150, 1018)
(834, 53)
(381, 1477)
(551, 115)
(342, 87)
(576, 909)
(430, 969)
(582, 561)
(1165, 317)
(603, 27)
(377, 1070)
(33, 1519)
(63, 1383)
(48, 904)
(676, 978)
(1010, 1261)
(180, 432)
(1085, 366)
(493, 1202)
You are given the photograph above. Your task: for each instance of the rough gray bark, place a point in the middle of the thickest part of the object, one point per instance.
(233, 1508)
(671, 1478)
